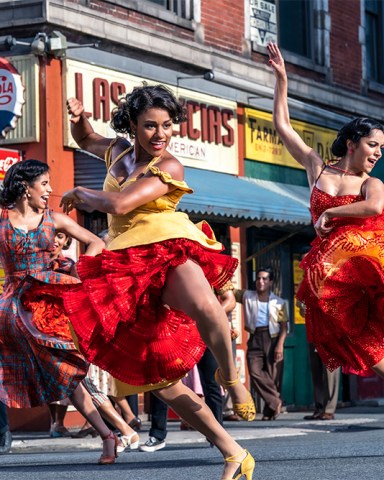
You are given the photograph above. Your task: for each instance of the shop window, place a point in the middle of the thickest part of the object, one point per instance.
(374, 24)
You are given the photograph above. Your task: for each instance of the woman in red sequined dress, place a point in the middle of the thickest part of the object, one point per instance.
(343, 285)
(146, 308)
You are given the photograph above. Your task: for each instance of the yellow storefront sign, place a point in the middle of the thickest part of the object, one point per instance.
(264, 145)
(297, 278)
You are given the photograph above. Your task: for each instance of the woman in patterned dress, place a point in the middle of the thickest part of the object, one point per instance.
(343, 285)
(39, 362)
(129, 439)
(153, 286)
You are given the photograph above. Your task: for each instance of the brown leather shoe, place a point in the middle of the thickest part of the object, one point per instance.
(135, 424)
(327, 416)
(232, 418)
(277, 411)
(314, 416)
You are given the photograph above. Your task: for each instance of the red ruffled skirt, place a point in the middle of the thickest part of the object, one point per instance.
(343, 291)
(120, 321)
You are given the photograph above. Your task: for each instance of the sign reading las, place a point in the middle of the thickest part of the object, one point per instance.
(207, 140)
(263, 144)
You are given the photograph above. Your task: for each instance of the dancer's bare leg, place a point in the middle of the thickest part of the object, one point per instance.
(57, 420)
(82, 400)
(108, 412)
(52, 412)
(126, 411)
(379, 368)
(61, 411)
(188, 290)
(195, 411)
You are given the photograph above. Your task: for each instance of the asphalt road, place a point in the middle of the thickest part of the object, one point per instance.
(351, 448)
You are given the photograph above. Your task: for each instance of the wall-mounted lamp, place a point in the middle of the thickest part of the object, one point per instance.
(7, 43)
(208, 75)
(54, 44)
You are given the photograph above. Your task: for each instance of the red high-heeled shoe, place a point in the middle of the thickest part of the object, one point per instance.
(109, 459)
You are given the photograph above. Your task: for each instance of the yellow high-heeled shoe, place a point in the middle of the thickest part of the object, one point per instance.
(246, 410)
(246, 466)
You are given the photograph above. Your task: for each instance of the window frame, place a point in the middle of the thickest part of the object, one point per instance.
(375, 84)
(157, 11)
(309, 33)
(318, 31)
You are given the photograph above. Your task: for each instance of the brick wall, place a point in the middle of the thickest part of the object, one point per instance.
(346, 63)
(223, 22)
(134, 17)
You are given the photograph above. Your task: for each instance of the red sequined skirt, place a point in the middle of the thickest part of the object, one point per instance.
(343, 292)
(118, 316)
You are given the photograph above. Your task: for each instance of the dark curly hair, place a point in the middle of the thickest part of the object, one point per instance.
(267, 270)
(139, 101)
(17, 178)
(354, 131)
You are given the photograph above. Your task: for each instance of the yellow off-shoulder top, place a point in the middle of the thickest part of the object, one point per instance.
(155, 221)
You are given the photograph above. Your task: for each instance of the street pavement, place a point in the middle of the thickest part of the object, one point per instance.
(347, 448)
(289, 424)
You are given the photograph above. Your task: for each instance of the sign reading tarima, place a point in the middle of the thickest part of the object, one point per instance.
(207, 140)
(263, 144)
(11, 97)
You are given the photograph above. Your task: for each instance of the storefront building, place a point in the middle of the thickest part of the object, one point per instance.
(245, 184)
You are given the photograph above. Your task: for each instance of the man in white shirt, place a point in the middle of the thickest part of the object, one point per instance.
(266, 319)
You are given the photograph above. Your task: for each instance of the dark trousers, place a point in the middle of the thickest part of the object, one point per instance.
(159, 415)
(133, 402)
(212, 391)
(263, 370)
(325, 383)
(3, 419)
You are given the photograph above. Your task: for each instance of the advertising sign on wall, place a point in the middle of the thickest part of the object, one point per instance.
(263, 144)
(207, 140)
(11, 97)
(7, 159)
(298, 275)
(263, 26)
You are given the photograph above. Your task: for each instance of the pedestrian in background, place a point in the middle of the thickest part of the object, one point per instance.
(266, 319)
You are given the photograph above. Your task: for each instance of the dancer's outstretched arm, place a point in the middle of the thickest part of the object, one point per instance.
(82, 131)
(300, 151)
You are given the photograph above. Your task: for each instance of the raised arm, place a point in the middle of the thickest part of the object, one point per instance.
(82, 131)
(296, 146)
(94, 244)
